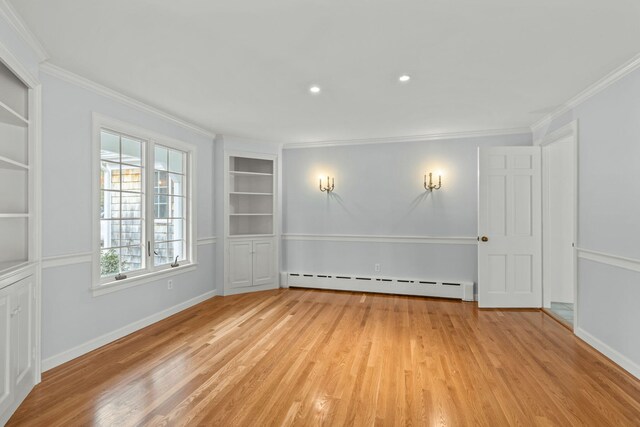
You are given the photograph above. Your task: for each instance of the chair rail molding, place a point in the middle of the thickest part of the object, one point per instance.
(609, 259)
(382, 239)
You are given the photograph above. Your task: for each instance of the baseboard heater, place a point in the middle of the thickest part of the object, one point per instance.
(385, 285)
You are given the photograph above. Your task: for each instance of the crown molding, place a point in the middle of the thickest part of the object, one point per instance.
(66, 75)
(15, 20)
(611, 78)
(411, 138)
(443, 240)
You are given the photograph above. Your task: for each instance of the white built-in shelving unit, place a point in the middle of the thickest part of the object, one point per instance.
(250, 212)
(19, 268)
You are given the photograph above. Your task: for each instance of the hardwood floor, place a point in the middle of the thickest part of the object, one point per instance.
(302, 357)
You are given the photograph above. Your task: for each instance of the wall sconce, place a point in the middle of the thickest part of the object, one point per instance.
(430, 185)
(328, 188)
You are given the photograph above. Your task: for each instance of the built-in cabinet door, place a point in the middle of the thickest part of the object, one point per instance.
(22, 333)
(263, 260)
(240, 263)
(6, 397)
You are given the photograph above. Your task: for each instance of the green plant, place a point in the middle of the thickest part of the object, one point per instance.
(109, 262)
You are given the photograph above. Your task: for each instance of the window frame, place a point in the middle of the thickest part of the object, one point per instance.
(101, 285)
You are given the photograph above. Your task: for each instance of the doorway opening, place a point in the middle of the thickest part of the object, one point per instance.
(559, 218)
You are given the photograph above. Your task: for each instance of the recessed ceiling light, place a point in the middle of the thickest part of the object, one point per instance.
(404, 78)
(314, 89)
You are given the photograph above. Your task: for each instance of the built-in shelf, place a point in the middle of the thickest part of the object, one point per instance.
(251, 188)
(8, 115)
(6, 163)
(14, 215)
(250, 173)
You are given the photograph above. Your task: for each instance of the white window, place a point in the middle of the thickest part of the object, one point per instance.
(144, 204)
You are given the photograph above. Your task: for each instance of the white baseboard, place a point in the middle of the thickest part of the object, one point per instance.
(623, 361)
(248, 289)
(98, 342)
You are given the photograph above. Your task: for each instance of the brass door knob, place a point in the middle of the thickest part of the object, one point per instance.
(484, 238)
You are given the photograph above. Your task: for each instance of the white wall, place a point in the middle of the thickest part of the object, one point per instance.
(608, 218)
(379, 192)
(71, 316)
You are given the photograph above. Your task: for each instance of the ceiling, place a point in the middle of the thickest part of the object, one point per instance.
(244, 67)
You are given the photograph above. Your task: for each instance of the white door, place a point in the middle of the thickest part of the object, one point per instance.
(5, 349)
(240, 263)
(509, 226)
(263, 260)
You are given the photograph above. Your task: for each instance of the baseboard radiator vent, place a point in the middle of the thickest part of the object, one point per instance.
(384, 285)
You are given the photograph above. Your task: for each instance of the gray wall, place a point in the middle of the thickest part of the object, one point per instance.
(71, 316)
(379, 192)
(608, 215)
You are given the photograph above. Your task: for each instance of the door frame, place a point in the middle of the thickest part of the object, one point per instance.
(568, 132)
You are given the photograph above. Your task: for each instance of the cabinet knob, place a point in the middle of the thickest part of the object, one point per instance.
(484, 238)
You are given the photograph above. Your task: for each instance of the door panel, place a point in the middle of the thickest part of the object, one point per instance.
(240, 263)
(509, 215)
(22, 330)
(5, 348)
(263, 260)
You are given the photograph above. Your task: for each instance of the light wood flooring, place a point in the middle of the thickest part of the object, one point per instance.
(303, 357)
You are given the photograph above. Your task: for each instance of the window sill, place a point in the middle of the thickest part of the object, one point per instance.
(117, 285)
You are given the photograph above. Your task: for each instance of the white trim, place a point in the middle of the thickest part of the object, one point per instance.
(206, 241)
(570, 130)
(567, 132)
(102, 340)
(411, 138)
(600, 85)
(617, 357)
(130, 282)
(149, 273)
(249, 289)
(15, 20)
(382, 239)
(67, 259)
(610, 259)
(61, 73)
(9, 59)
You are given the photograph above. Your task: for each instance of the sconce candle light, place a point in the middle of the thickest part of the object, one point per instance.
(430, 185)
(328, 188)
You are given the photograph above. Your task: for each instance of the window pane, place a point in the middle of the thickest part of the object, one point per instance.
(161, 158)
(109, 146)
(160, 230)
(176, 161)
(107, 179)
(109, 233)
(175, 229)
(175, 208)
(175, 184)
(131, 205)
(131, 151)
(160, 206)
(131, 258)
(131, 178)
(109, 204)
(162, 182)
(109, 262)
(176, 249)
(131, 232)
(161, 254)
